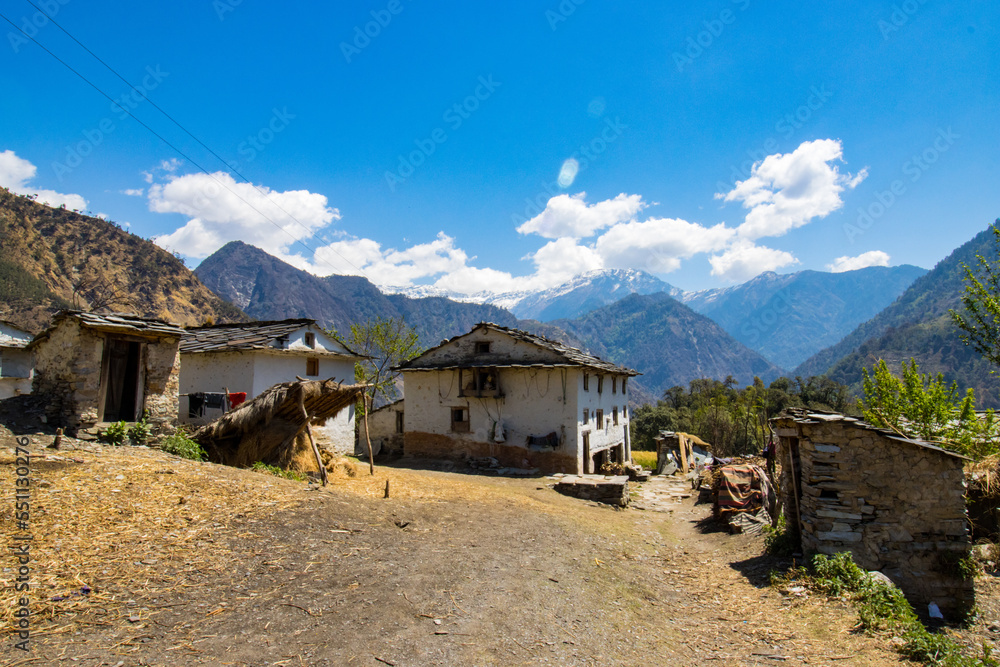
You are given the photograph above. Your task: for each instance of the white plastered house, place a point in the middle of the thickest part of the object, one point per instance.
(252, 357)
(15, 361)
(525, 400)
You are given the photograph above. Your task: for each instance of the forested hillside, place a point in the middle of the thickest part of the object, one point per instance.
(52, 258)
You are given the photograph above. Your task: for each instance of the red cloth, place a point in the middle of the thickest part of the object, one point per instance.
(237, 398)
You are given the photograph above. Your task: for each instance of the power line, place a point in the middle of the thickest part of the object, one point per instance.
(177, 150)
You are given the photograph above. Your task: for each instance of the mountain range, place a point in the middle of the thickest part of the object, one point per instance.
(641, 331)
(918, 325)
(52, 258)
(785, 318)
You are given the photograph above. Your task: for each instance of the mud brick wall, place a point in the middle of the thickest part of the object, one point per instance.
(897, 506)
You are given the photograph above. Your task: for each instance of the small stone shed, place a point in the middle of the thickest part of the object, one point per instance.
(93, 368)
(898, 505)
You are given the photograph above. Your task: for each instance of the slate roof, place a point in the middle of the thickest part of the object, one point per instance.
(14, 341)
(121, 323)
(806, 416)
(571, 356)
(246, 336)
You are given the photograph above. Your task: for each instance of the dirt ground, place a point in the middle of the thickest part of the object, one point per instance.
(143, 558)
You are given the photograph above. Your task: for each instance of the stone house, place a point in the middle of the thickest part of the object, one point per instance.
(525, 400)
(385, 427)
(15, 361)
(898, 505)
(92, 368)
(252, 357)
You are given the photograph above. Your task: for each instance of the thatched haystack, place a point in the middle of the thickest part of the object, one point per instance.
(273, 428)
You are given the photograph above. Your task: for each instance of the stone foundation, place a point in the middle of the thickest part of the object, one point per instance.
(434, 446)
(612, 490)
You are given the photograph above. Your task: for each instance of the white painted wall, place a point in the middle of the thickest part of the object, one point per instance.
(606, 435)
(16, 363)
(257, 371)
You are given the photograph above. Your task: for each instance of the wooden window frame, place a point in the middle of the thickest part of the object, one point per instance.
(312, 364)
(460, 425)
(586, 416)
(586, 381)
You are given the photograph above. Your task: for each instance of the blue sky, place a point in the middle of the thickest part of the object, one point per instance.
(712, 140)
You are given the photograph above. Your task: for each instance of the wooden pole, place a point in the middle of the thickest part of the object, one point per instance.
(368, 439)
(682, 446)
(312, 441)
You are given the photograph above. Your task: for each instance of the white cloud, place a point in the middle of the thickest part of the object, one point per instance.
(15, 172)
(658, 244)
(170, 165)
(570, 216)
(864, 260)
(786, 191)
(360, 256)
(222, 210)
(744, 260)
(133, 192)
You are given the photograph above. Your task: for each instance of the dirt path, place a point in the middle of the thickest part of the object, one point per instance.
(200, 564)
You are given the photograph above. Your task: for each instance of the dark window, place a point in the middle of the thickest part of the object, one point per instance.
(460, 420)
(586, 416)
(482, 382)
(586, 381)
(614, 415)
(310, 339)
(600, 384)
(614, 385)
(599, 418)
(312, 366)
(399, 422)
(483, 347)
(624, 384)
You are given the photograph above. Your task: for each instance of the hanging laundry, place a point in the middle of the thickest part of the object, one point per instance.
(196, 405)
(216, 401)
(237, 398)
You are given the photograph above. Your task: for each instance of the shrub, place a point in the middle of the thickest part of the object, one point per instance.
(260, 466)
(780, 541)
(115, 434)
(139, 432)
(181, 445)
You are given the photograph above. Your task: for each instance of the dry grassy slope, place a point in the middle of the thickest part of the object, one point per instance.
(55, 248)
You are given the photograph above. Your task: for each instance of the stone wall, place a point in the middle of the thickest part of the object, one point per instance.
(896, 505)
(68, 374)
(612, 490)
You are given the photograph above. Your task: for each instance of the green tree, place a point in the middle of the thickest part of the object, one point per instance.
(923, 406)
(980, 322)
(385, 342)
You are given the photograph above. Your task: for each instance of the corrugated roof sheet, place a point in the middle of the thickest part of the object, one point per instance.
(571, 355)
(243, 336)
